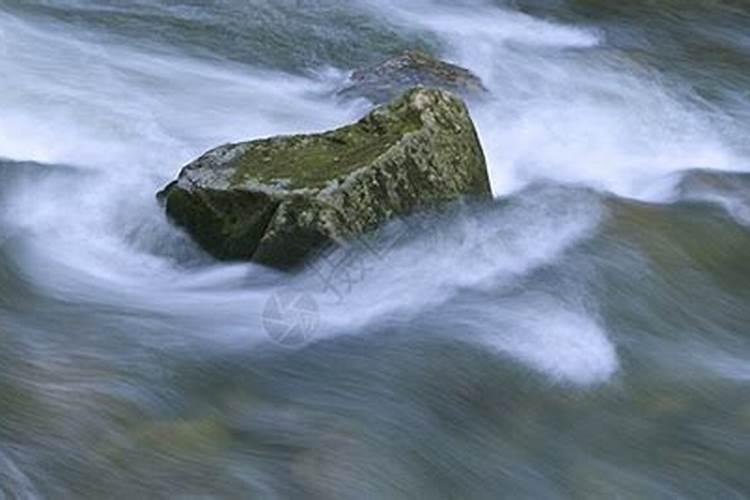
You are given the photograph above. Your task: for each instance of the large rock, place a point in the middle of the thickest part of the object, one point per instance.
(276, 200)
(387, 80)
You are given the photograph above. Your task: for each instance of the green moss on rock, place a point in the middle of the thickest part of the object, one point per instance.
(276, 200)
(313, 160)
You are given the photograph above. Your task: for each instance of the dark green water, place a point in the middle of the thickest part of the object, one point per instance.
(585, 336)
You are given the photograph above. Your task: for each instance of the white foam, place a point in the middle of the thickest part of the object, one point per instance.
(89, 102)
(568, 346)
(483, 24)
(489, 252)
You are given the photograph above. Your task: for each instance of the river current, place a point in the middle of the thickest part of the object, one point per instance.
(585, 336)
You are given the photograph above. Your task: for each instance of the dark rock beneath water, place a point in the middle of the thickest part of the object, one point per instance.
(274, 201)
(730, 190)
(698, 182)
(387, 80)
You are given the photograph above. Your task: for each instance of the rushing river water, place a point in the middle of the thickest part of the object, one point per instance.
(586, 336)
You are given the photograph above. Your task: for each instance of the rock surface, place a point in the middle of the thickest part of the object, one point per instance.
(387, 80)
(274, 201)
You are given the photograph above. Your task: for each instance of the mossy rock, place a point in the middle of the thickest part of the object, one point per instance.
(275, 201)
(385, 81)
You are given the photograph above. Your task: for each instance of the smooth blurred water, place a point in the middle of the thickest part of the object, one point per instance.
(585, 336)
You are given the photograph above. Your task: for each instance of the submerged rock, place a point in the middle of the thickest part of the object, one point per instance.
(698, 182)
(274, 201)
(730, 190)
(385, 81)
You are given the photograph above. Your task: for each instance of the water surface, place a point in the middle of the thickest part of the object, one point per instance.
(585, 336)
